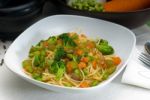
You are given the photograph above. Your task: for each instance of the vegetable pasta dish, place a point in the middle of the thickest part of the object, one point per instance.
(71, 60)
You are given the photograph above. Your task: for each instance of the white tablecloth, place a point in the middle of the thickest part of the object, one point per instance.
(14, 88)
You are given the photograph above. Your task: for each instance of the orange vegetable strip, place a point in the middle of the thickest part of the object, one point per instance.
(125, 5)
(84, 84)
(85, 59)
(69, 67)
(116, 60)
(82, 65)
(79, 52)
(94, 64)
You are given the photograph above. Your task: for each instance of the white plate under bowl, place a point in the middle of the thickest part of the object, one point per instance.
(121, 38)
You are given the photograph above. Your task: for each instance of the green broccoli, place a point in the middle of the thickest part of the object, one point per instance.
(60, 52)
(68, 41)
(104, 47)
(58, 68)
(52, 40)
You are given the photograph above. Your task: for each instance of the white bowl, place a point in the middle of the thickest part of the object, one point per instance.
(121, 38)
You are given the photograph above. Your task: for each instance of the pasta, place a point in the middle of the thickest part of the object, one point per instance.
(71, 60)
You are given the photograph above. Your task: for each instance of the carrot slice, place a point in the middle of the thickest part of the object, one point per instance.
(69, 67)
(85, 59)
(116, 60)
(84, 84)
(79, 52)
(82, 65)
(94, 64)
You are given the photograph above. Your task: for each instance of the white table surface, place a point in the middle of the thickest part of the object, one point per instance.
(14, 88)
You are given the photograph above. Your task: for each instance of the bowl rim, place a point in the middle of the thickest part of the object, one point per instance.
(63, 87)
(92, 12)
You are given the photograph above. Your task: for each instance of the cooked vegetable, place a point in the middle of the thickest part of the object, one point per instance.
(94, 83)
(82, 65)
(76, 75)
(94, 64)
(84, 84)
(110, 5)
(89, 5)
(116, 60)
(125, 5)
(27, 64)
(110, 63)
(58, 68)
(79, 52)
(36, 60)
(104, 47)
(69, 67)
(71, 60)
(85, 59)
(37, 76)
(103, 42)
(59, 53)
(67, 40)
(52, 40)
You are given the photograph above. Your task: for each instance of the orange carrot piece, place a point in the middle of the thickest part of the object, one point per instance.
(69, 67)
(82, 65)
(84, 84)
(94, 64)
(85, 59)
(125, 5)
(79, 52)
(116, 60)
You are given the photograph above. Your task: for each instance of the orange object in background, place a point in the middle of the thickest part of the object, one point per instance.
(125, 5)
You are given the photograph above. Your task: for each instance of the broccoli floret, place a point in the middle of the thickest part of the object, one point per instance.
(61, 70)
(52, 40)
(58, 68)
(37, 76)
(27, 64)
(104, 47)
(90, 5)
(39, 58)
(60, 52)
(67, 40)
(102, 41)
(36, 60)
(35, 49)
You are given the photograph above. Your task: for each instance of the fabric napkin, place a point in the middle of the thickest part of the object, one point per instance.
(137, 73)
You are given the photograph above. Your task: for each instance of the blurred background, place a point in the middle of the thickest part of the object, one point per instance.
(17, 15)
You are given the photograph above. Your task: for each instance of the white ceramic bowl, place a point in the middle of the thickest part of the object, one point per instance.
(122, 39)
